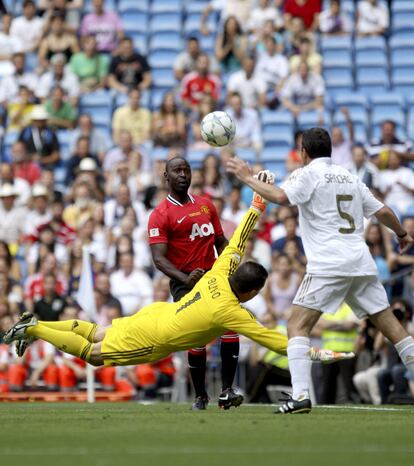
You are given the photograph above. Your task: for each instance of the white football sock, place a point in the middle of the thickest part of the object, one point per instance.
(300, 366)
(405, 349)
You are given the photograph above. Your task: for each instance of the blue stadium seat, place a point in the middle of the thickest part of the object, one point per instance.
(133, 5)
(410, 121)
(139, 40)
(400, 43)
(64, 138)
(370, 43)
(162, 58)
(163, 77)
(372, 79)
(196, 6)
(402, 57)
(100, 98)
(165, 22)
(274, 154)
(402, 23)
(403, 34)
(134, 21)
(159, 153)
(166, 6)
(379, 115)
(207, 43)
(402, 79)
(352, 101)
(310, 119)
(387, 103)
(336, 43)
(370, 58)
(31, 61)
(246, 153)
(337, 77)
(337, 59)
(276, 134)
(277, 167)
(195, 156)
(166, 41)
(281, 118)
(156, 97)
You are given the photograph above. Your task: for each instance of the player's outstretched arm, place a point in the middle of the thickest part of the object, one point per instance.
(233, 253)
(387, 217)
(243, 172)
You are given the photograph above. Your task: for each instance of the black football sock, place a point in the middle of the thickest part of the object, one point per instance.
(197, 360)
(229, 353)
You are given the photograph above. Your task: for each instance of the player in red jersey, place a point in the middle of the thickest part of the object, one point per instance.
(183, 231)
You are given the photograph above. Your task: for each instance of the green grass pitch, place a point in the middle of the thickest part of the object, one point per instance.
(123, 434)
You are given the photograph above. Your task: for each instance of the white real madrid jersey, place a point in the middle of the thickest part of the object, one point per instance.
(332, 205)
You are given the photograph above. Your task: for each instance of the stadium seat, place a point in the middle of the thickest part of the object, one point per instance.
(31, 61)
(277, 167)
(402, 79)
(134, 21)
(100, 98)
(207, 44)
(402, 23)
(274, 135)
(379, 115)
(133, 5)
(338, 77)
(245, 153)
(337, 59)
(310, 119)
(159, 153)
(157, 95)
(282, 118)
(165, 22)
(387, 103)
(352, 101)
(374, 57)
(197, 6)
(166, 6)
(372, 79)
(166, 41)
(336, 43)
(163, 77)
(139, 40)
(274, 154)
(370, 43)
(196, 156)
(64, 138)
(162, 58)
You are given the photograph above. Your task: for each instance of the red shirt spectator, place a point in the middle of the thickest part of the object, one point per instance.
(199, 83)
(34, 287)
(22, 165)
(308, 10)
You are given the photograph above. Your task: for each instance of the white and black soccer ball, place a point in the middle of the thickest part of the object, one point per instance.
(217, 129)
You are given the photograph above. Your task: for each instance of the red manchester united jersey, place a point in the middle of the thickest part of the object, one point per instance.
(188, 229)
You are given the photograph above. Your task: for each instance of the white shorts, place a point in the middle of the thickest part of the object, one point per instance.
(364, 295)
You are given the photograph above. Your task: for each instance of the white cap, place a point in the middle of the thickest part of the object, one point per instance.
(39, 113)
(87, 165)
(7, 190)
(39, 190)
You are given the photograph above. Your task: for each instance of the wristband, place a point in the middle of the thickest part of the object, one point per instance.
(402, 236)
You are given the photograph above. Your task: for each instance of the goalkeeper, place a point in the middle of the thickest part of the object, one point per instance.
(211, 308)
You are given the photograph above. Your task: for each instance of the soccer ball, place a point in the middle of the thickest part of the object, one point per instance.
(217, 129)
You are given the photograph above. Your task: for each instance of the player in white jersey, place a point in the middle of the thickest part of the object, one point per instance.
(332, 205)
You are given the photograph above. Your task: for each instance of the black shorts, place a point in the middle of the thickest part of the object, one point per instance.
(178, 290)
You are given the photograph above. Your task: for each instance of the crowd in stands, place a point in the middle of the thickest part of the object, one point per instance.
(95, 95)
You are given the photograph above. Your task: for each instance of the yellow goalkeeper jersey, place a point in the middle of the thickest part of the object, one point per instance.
(202, 315)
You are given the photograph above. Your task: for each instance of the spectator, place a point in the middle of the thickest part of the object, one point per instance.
(281, 287)
(124, 151)
(247, 123)
(250, 85)
(234, 210)
(291, 226)
(207, 105)
(213, 180)
(61, 113)
(231, 45)
(59, 75)
(132, 287)
(117, 208)
(303, 91)
(39, 213)
(51, 305)
(128, 69)
(41, 141)
(9, 85)
(341, 146)
(339, 333)
(21, 186)
(58, 40)
(186, 61)
(398, 261)
(98, 142)
(103, 285)
(70, 10)
(22, 164)
(308, 10)
(82, 152)
(28, 28)
(273, 67)
(229, 226)
(379, 243)
(240, 9)
(12, 217)
(9, 45)
(294, 158)
(366, 171)
(81, 209)
(379, 149)
(168, 124)
(89, 66)
(19, 111)
(263, 12)
(293, 36)
(333, 21)
(306, 54)
(397, 184)
(104, 25)
(89, 173)
(12, 264)
(199, 83)
(372, 18)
